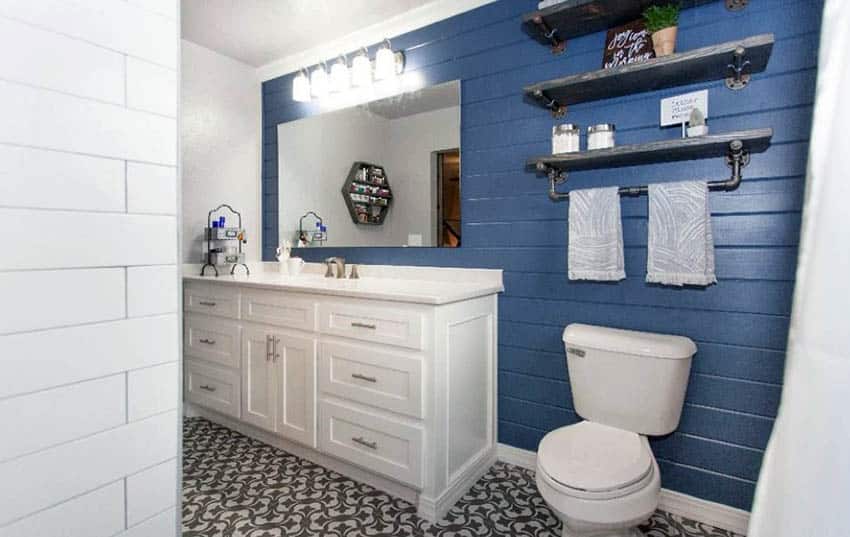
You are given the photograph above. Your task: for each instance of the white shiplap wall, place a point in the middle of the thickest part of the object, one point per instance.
(89, 331)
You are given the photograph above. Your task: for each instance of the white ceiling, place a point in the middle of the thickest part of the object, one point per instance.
(258, 32)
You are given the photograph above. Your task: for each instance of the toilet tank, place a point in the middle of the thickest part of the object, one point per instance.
(630, 380)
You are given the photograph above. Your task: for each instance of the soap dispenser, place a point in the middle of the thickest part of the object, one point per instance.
(282, 254)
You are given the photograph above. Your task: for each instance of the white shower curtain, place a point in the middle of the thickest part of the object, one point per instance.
(804, 487)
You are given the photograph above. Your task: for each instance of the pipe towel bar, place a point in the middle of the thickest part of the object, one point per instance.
(736, 159)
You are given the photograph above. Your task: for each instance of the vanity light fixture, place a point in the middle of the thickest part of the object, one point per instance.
(361, 70)
(319, 81)
(340, 77)
(388, 64)
(301, 87)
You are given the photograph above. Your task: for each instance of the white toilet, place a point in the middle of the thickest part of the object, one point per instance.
(599, 476)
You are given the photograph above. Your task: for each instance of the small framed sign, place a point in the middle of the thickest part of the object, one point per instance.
(677, 109)
(629, 43)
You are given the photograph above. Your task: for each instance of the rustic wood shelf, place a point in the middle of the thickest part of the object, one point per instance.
(573, 18)
(713, 145)
(716, 62)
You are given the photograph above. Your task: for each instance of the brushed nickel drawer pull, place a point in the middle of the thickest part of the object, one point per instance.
(363, 377)
(363, 325)
(205, 303)
(269, 348)
(207, 341)
(363, 442)
(207, 387)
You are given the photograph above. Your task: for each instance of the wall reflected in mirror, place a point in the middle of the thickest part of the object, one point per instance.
(382, 173)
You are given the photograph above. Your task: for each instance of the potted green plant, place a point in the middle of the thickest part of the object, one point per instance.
(662, 22)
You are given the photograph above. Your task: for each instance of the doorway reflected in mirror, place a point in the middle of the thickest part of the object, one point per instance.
(448, 198)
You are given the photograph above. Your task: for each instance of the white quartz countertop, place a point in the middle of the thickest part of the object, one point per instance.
(421, 285)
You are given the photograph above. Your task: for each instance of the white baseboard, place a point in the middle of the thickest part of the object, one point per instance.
(711, 513)
(432, 509)
(516, 456)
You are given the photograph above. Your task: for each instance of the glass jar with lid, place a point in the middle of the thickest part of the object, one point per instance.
(600, 136)
(565, 138)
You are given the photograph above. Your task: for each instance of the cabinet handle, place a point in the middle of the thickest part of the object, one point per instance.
(363, 325)
(363, 377)
(207, 341)
(207, 387)
(269, 348)
(205, 303)
(363, 442)
(276, 354)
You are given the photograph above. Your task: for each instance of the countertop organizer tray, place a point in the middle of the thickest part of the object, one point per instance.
(217, 253)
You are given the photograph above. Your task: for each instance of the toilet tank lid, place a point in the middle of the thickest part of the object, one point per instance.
(629, 341)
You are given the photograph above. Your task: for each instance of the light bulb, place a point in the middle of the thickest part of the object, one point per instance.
(301, 88)
(319, 82)
(361, 70)
(384, 62)
(340, 79)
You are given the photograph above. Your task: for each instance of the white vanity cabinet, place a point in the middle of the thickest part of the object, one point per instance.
(279, 383)
(399, 394)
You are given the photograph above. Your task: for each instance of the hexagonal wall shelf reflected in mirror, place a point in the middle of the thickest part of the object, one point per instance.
(367, 193)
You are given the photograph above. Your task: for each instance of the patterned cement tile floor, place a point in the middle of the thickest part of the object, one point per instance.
(234, 486)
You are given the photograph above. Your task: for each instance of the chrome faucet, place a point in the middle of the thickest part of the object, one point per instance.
(340, 267)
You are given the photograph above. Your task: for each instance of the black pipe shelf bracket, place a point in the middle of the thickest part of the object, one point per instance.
(740, 64)
(557, 44)
(736, 147)
(558, 110)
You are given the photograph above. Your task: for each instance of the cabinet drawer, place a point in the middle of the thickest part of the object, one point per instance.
(212, 339)
(380, 444)
(212, 299)
(279, 309)
(387, 380)
(213, 387)
(385, 325)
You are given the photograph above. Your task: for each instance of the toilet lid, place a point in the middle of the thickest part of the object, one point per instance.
(594, 457)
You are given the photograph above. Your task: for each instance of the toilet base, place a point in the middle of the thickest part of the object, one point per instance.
(613, 517)
(623, 532)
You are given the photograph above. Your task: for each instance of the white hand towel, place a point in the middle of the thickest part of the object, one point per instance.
(595, 249)
(680, 245)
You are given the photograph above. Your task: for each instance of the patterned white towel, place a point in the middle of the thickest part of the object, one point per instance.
(595, 249)
(681, 247)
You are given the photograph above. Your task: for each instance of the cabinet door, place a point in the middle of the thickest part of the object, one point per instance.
(295, 359)
(259, 379)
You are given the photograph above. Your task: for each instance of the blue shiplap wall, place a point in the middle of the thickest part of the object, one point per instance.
(740, 325)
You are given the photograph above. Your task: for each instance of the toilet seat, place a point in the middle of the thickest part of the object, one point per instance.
(595, 461)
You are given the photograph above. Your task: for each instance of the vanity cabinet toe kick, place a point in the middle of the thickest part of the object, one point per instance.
(400, 395)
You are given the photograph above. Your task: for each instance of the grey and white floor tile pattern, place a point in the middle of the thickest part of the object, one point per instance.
(234, 486)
